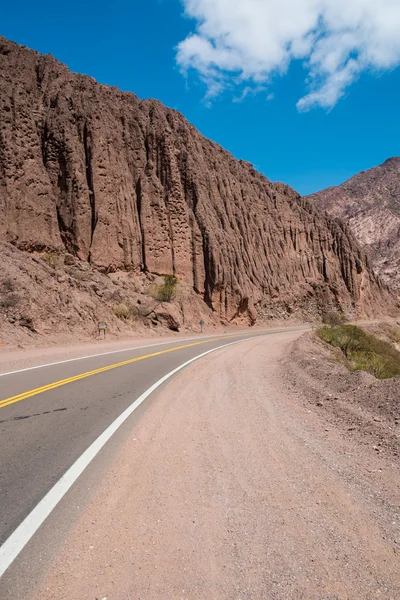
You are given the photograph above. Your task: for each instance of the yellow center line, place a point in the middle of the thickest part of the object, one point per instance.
(56, 384)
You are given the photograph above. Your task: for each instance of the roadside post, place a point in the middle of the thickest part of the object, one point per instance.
(202, 325)
(102, 328)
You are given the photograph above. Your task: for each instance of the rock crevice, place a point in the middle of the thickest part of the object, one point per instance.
(87, 144)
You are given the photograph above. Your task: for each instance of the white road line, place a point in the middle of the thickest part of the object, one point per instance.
(25, 531)
(61, 362)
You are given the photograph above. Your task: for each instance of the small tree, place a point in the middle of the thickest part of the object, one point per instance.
(167, 291)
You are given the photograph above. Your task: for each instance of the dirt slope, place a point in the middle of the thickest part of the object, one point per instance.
(363, 407)
(370, 204)
(41, 305)
(129, 185)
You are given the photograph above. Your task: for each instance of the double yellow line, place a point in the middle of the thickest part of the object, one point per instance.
(56, 384)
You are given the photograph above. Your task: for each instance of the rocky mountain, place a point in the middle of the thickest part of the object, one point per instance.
(370, 204)
(128, 186)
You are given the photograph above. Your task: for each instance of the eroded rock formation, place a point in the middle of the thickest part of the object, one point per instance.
(370, 204)
(130, 185)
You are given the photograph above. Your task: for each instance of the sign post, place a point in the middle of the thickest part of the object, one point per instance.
(202, 325)
(102, 327)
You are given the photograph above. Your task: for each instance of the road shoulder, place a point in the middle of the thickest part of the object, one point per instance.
(229, 487)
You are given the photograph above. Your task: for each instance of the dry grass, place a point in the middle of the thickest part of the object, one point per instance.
(51, 259)
(124, 311)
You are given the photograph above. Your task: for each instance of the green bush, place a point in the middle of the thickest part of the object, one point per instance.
(363, 351)
(167, 291)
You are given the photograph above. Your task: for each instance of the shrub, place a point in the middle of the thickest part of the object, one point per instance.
(167, 291)
(9, 300)
(333, 318)
(51, 258)
(124, 311)
(363, 351)
(394, 334)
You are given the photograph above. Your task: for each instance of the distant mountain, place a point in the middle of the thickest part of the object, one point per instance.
(370, 204)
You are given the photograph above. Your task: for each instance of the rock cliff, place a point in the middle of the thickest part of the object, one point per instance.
(124, 184)
(370, 204)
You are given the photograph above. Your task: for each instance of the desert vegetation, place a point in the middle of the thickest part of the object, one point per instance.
(8, 297)
(129, 312)
(51, 259)
(167, 291)
(333, 318)
(394, 334)
(363, 351)
(125, 311)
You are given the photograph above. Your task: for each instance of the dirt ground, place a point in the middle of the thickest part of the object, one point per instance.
(358, 404)
(236, 485)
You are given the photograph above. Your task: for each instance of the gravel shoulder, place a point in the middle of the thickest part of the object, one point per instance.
(232, 486)
(362, 407)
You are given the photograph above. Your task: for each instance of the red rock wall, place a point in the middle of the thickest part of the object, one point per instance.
(129, 184)
(369, 203)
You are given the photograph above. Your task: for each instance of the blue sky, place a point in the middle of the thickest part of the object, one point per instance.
(132, 45)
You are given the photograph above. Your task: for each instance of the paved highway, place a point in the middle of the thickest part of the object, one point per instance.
(49, 417)
(220, 484)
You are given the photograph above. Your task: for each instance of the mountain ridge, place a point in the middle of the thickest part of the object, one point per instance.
(129, 185)
(369, 203)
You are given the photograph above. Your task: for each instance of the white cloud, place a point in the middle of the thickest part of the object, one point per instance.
(242, 43)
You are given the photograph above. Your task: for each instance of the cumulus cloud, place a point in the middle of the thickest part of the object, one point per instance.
(244, 43)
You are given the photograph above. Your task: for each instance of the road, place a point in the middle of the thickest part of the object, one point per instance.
(50, 415)
(219, 486)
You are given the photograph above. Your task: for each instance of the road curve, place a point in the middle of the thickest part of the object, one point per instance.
(50, 416)
(228, 487)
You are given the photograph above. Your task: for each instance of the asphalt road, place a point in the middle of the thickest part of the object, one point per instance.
(49, 416)
(222, 484)
(225, 483)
